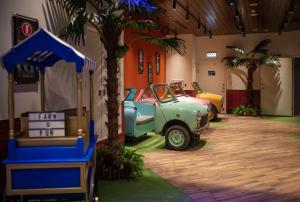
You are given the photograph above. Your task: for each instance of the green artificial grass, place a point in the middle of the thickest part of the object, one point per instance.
(217, 124)
(296, 137)
(149, 187)
(286, 119)
(151, 142)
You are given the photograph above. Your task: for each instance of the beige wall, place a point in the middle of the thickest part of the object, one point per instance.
(287, 45)
(182, 67)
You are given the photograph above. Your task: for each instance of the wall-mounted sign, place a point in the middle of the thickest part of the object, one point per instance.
(211, 54)
(46, 124)
(157, 57)
(150, 73)
(140, 61)
(23, 27)
(211, 73)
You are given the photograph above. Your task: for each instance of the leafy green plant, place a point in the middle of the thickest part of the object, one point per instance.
(125, 164)
(249, 110)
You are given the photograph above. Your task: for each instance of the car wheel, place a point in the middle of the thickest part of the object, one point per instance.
(214, 113)
(177, 137)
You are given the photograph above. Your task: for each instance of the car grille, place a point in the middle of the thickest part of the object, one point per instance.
(204, 120)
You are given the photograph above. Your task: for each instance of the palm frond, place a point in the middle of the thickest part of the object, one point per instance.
(72, 6)
(137, 5)
(236, 50)
(166, 44)
(74, 31)
(271, 60)
(142, 25)
(234, 61)
(261, 47)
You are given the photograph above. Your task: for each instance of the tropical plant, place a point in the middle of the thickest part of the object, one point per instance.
(125, 164)
(110, 18)
(249, 110)
(260, 55)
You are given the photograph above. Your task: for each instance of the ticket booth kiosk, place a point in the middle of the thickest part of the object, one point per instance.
(53, 155)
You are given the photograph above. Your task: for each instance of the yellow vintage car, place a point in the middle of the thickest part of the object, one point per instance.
(217, 101)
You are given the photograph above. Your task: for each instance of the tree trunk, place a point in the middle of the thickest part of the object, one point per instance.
(112, 102)
(251, 70)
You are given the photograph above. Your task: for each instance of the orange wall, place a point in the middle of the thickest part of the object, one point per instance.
(131, 76)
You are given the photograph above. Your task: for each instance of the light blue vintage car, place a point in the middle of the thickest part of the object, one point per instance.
(157, 109)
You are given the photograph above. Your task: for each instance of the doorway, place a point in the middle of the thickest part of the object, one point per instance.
(211, 76)
(297, 86)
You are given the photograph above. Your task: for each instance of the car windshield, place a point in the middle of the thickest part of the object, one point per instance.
(196, 87)
(147, 95)
(177, 89)
(164, 93)
(129, 94)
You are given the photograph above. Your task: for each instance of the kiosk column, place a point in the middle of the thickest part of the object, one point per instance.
(79, 104)
(11, 110)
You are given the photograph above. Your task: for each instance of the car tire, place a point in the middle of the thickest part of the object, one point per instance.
(215, 114)
(177, 137)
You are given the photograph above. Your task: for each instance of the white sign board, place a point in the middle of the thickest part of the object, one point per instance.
(46, 124)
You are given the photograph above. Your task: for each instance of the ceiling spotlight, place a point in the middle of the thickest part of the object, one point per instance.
(199, 24)
(253, 14)
(231, 3)
(187, 17)
(174, 4)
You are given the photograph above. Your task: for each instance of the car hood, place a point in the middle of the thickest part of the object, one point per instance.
(194, 100)
(210, 96)
(185, 105)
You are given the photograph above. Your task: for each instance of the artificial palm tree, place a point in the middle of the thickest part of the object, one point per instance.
(110, 18)
(260, 55)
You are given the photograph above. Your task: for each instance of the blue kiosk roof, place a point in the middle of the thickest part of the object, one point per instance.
(43, 49)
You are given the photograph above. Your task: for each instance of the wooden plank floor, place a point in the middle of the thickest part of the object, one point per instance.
(246, 159)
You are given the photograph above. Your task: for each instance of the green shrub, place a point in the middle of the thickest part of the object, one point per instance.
(249, 110)
(127, 161)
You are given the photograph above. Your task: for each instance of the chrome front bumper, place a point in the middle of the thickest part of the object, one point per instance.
(199, 131)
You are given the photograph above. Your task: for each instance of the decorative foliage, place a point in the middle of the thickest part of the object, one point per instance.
(127, 163)
(243, 110)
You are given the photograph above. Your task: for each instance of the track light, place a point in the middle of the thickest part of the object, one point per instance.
(291, 9)
(187, 16)
(174, 4)
(199, 24)
(237, 14)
